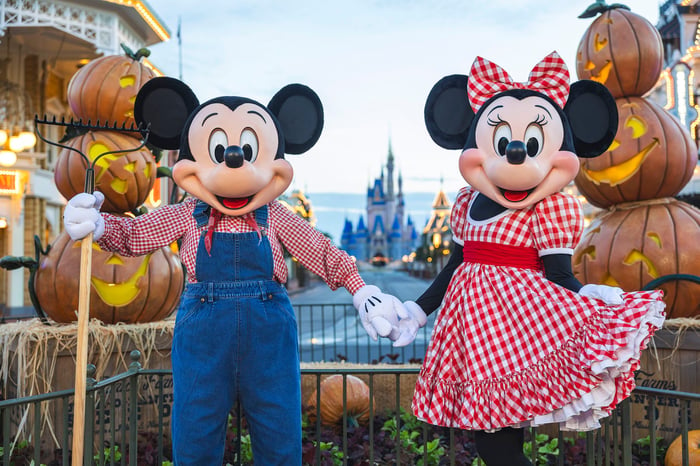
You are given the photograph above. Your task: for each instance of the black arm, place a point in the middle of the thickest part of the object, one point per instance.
(432, 297)
(557, 268)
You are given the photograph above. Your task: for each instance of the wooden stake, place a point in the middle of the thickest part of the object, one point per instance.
(81, 352)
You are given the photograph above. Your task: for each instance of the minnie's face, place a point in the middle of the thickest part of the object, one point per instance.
(518, 159)
(234, 168)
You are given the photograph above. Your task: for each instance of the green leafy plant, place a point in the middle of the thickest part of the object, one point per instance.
(546, 448)
(409, 435)
(642, 448)
(111, 454)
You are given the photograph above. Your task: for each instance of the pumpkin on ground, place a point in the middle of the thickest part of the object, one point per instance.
(621, 50)
(124, 289)
(633, 244)
(105, 89)
(652, 156)
(125, 178)
(331, 405)
(674, 454)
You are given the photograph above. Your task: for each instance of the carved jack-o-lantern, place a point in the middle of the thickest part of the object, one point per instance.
(124, 289)
(124, 178)
(621, 50)
(635, 243)
(105, 89)
(652, 156)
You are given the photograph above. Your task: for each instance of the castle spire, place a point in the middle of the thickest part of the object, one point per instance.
(390, 173)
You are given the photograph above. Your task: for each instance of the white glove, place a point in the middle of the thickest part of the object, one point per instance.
(411, 319)
(379, 312)
(610, 295)
(82, 216)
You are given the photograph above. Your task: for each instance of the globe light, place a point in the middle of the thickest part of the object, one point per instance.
(3, 137)
(7, 158)
(28, 139)
(16, 144)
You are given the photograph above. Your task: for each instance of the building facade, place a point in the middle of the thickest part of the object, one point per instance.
(42, 44)
(388, 233)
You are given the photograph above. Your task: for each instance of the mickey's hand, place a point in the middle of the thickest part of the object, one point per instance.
(82, 216)
(412, 318)
(379, 312)
(610, 295)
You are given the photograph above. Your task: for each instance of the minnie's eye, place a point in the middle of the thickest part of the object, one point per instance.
(249, 144)
(218, 142)
(501, 138)
(534, 140)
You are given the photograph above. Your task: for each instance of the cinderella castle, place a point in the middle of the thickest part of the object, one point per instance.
(388, 235)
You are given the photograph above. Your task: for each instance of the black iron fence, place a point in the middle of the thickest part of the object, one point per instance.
(127, 418)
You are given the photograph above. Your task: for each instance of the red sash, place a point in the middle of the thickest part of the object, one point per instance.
(500, 254)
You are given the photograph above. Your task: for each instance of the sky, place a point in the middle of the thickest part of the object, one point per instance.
(372, 63)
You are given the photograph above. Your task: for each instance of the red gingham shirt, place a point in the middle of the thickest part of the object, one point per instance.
(161, 227)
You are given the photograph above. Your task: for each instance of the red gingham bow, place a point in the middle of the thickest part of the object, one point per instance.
(486, 79)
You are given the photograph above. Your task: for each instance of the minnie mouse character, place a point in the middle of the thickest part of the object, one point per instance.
(519, 341)
(235, 335)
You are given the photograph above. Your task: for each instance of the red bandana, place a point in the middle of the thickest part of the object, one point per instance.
(486, 79)
(214, 217)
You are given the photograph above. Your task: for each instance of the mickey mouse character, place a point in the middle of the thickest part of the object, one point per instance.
(518, 340)
(235, 333)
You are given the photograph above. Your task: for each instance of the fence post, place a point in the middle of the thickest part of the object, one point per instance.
(134, 369)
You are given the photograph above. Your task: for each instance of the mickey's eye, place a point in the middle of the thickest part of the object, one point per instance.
(249, 144)
(218, 142)
(501, 138)
(534, 140)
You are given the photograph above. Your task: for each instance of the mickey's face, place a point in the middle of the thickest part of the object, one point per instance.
(234, 166)
(518, 159)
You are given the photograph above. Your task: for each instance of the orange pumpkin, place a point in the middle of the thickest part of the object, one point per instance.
(652, 156)
(674, 454)
(105, 89)
(633, 244)
(125, 178)
(331, 406)
(124, 289)
(621, 50)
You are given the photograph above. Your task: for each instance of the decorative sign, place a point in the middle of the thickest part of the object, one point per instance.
(9, 182)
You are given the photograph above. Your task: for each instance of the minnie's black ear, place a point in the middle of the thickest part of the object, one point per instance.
(592, 114)
(165, 104)
(300, 114)
(448, 114)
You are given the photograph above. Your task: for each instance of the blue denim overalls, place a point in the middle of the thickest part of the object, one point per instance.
(236, 338)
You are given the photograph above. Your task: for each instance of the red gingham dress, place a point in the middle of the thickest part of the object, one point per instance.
(511, 348)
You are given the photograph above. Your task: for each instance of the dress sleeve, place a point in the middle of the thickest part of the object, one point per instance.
(315, 251)
(458, 216)
(141, 235)
(557, 224)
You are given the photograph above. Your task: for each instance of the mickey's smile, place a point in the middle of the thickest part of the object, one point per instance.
(234, 202)
(515, 196)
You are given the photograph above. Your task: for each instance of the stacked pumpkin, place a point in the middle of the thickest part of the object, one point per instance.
(124, 289)
(644, 233)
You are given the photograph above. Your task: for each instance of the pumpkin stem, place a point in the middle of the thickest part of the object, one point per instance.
(140, 53)
(600, 7)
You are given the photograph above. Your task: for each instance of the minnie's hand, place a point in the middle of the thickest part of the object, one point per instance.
(610, 295)
(412, 318)
(82, 216)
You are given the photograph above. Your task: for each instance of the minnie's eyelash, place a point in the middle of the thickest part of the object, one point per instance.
(541, 120)
(494, 122)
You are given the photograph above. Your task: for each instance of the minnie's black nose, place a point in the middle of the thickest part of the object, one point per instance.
(233, 156)
(516, 152)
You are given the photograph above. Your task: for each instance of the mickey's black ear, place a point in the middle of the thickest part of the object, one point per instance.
(592, 114)
(165, 104)
(300, 114)
(448, 114)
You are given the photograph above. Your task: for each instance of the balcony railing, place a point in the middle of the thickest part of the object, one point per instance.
(127, 418)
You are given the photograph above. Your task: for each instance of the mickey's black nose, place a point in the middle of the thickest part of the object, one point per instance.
(516, 152)
(233, 156)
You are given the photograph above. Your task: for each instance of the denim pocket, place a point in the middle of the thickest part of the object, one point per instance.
(190, 304)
